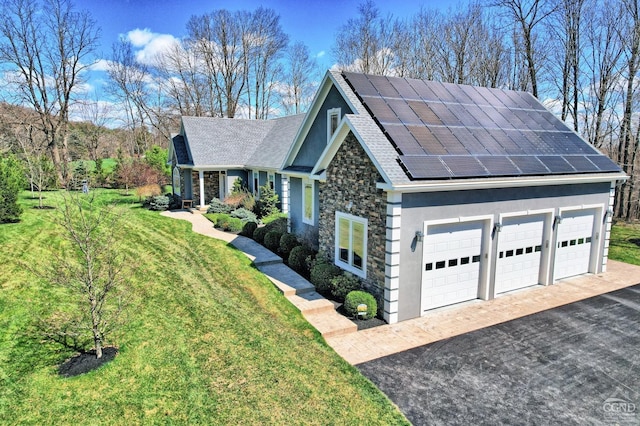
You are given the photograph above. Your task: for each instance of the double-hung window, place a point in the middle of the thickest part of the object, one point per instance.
(272, 181)
(307, 201)
(256, 183)
(351, 243)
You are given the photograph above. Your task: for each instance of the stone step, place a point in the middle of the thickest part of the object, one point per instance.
(286, 280)
(311, 303)
(331, 324)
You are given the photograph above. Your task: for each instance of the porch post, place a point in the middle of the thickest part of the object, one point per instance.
(201, 178)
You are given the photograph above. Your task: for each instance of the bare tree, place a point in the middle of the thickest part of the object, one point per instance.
(265, 42)
(364, 44)
(47, 45)
(91, 266)
(526, 16)
(299, 78)
(97, 113)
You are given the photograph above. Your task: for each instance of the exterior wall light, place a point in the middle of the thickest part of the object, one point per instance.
(419, 236)
(557, 221)
(497, 227)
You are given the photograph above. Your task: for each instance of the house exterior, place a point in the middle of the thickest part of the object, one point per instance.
(209, 154)
(436, 194)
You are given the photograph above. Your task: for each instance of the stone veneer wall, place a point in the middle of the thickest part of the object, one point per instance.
(352, 178)
(211, 186)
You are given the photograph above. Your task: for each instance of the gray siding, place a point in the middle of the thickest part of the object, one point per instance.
(316, 140)
(308, 232)
(420, 207)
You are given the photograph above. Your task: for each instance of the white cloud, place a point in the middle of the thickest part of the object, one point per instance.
(100, 65)
(149, 44)
(321, 54)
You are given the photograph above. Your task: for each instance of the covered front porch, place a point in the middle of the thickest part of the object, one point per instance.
(204, 184)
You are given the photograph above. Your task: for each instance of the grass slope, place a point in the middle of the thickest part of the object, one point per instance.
(208, 340)
(624, 244)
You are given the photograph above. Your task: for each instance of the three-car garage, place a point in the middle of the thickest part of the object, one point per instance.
(482, 258)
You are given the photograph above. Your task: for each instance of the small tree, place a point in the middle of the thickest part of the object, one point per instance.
(12, 181)
(91, 266)
(268, 202)
(157, 157)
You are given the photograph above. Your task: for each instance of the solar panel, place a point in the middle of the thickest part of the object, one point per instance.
(423, 90)
(444, 114)
(469, 141)
(449, 140)
(464, 166)
(425, 113)
(427, 140)
(404, 140)
(529, 165)
(581, 163)
(361, 84)
(556, 164)
(499, 165)
(404, 112)
(443, 130)
(404, 88)
(441, 92)
(604, 163)
(425, 167)
(383, 86)
(379, 109)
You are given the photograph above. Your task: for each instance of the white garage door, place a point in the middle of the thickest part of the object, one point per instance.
(519, 253)
(451, 256)
(573, 252)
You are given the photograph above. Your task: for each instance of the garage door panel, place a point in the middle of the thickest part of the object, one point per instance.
(573, 249)
(519, 253)
(452, 264)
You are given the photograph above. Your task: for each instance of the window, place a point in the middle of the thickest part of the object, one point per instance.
(351, 244)
(272, 181)
(333, 118)
(307, 201)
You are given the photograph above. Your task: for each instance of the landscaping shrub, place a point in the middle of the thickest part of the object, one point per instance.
(344, 284)
(298, 258)
(248, 229)
(228, 223)
(272, 240)
(12, 181)
(355, 298)
(321, 275)
(235, 199)
(268, 202)
(217, 206)
(272, 217)
(244, 215)
(175, 201)
(158, 203)
(259, 233)
(287, 243)
(279, 225)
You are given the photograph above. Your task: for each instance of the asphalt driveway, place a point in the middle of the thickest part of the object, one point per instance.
(576, 364)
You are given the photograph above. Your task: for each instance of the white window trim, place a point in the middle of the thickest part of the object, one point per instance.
(255, 182)
(348, 266)
(271, 177)
(311, 220)
(330, 112)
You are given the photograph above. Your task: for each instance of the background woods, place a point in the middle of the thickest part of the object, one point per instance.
(579, 57)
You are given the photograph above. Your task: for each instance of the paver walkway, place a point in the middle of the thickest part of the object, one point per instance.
(360, 346)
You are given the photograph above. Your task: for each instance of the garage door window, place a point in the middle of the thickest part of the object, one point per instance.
(351, 243)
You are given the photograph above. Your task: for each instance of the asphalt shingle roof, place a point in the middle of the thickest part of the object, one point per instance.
(180, 148)
(233, 142)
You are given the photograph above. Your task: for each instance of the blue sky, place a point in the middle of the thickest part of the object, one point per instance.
(313, 22)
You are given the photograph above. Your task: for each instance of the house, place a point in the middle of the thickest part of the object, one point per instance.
(209, 154)
(436, 194)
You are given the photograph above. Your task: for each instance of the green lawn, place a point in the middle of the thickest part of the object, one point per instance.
(625, 243)
(208, 340)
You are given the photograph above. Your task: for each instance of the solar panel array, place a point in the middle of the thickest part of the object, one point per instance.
(443, 130)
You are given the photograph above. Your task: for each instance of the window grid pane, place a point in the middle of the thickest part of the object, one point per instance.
(344, 237)
(357, 245)
(308, 201)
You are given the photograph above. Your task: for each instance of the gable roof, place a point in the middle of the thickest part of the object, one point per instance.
(232, 142)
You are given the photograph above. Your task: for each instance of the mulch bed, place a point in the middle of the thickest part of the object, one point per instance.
(362, 324)
(86, 361)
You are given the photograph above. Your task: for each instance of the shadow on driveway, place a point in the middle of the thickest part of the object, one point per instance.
(576, 364)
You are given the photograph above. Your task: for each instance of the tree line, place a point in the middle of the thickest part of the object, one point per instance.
(579, 57)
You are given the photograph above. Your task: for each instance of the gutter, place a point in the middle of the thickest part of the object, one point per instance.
(516, 182)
